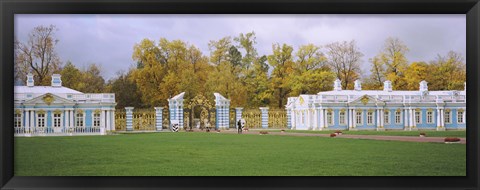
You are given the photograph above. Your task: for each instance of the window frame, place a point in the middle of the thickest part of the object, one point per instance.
(55, 119)
(449, 117)
(429, 117)
(17, 120)
(342, 121)
(386, 117)
(370, 116)
(357, 116)
(419, 116)
(330, 116)
(82, 120)
(462, 118)
(398, 117)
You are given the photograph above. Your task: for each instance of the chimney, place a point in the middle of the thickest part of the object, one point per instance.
(56, 80)
(423, 86)
(358, 85)
(337, 85)
(387, 86)
(30, 81)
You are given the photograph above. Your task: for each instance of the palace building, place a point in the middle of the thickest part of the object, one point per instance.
(58, 110)
(380, 110)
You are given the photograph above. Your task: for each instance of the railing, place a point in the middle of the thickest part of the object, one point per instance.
(253, 118)
(277, 119)
(120, 120)
(101, 97)
(39, 131)
(143, 119)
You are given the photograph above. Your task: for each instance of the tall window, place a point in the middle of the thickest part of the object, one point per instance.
(303, 117)
(329, 118)
(418, 117)
(79, 120)
(429, 117)
(398, 117)
(460, 115)
(17, 120)
(56, 120)
(369, 118)
(96, 120)
(447, 117)
(41, 120)
(341, 117)
(358, 118)
(387, 117)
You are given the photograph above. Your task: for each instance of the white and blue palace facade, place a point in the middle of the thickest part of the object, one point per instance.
(380, 110)
(40, 110)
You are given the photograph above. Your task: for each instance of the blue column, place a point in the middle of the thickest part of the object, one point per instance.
(158, 118)
(289, 119)
(129, 118)
(264, 111)
(238, 116)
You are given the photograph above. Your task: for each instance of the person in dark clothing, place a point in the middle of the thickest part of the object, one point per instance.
(240, 127)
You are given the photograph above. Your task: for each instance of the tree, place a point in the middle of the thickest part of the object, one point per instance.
(219, 50)
(416, 72)
(93, 80)
(282, 62)
(447, 72)
(344, 59)
(393, 57)
(71, 76)
(311, 74)
(38, 55)
(126, 91)
(377, 76)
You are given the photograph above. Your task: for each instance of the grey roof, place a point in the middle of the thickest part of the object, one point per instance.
(43, 90)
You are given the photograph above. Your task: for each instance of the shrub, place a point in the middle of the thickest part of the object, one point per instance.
(333, 135)
(452, 139)
(338, 131)
(423, 134)
(263, 132)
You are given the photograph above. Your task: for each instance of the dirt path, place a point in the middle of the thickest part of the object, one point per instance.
(371, 137)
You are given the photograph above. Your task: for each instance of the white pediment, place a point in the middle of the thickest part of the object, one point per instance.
(49, 99)
(367, 100)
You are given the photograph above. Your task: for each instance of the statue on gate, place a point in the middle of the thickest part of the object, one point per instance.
(175, 125)
(240, 125)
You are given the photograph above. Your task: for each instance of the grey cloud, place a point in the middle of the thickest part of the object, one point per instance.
(109, 39)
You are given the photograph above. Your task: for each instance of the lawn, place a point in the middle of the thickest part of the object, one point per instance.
(218, 154)
(387, 133)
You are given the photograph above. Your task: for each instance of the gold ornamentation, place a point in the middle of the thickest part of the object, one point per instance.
(461, 110)
(48, 99)
(302, 101)
(399, 110)
(430, 109)
(364, 99)
(97, 111)
(359, 110)
(18, 111)
(330, 110)
(79, 111)
(417, 109)
(448, 110)
(57, 111)
(41, 111)
(371, 110)
(343, 110)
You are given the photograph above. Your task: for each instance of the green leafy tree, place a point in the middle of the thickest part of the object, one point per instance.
(282, 62)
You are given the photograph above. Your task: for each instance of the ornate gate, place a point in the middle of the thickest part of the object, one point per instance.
(203, 107)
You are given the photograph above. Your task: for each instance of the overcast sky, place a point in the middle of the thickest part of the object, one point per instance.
(108, 40)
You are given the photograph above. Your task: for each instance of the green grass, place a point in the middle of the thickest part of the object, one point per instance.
(388, 133)
(213, 154)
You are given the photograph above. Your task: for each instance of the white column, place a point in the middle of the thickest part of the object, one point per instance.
(438, 118)
(414, 113)
(293, 118)
(354, 122)
(32, 120)
(382, 117)
(27, 119)
(442, 117)
(112, 127)
(108, 120)
(405, 120)
(315, 119)
(72, 113)
(322, 119)
(378, 117)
